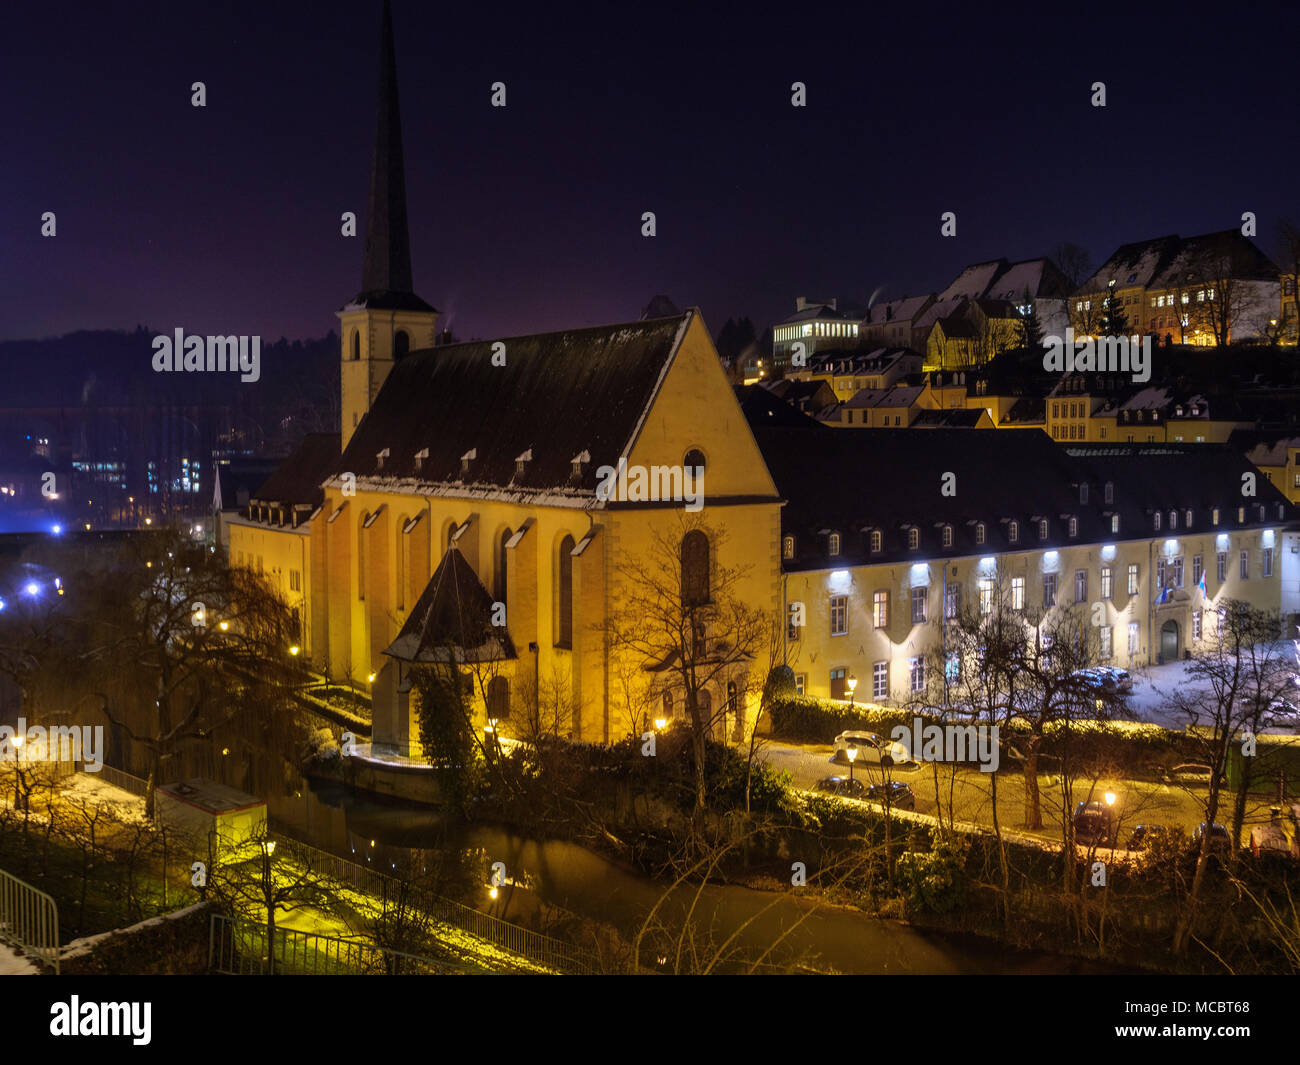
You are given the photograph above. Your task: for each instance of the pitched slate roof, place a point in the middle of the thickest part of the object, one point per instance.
(890, 479)
(452, 619)
(1133, 264)
(762, 406)
(557, 396)
(237, 481)
(298, 478)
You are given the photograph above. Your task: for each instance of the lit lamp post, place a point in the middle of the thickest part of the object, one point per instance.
(851, 752)
(853, 686)
(660, 723)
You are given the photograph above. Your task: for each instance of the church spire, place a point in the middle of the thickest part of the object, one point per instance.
(386, 274)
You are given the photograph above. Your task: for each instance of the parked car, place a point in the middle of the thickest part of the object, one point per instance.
(1105, 680)
(872, 749)
(1144, 835)
(1123, 682)
(1219, 837)
(843, 786)
(1093, 823)
(901, 796)
(1284, 710)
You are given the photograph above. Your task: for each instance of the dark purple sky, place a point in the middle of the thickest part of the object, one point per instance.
(226, 219)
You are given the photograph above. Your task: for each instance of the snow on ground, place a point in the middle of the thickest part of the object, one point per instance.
(79, 947)
(1153, 686)
(93, 788)
(14, 964)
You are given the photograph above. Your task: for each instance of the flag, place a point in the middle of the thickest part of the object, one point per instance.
(1201, 585)
(1163, 596)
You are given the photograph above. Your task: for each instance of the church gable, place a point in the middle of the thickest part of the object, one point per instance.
(695, 410)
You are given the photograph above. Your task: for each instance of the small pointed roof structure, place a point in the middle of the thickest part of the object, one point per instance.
(452, 620)
(386, 273)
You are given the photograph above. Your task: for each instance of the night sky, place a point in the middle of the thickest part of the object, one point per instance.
(226, 219)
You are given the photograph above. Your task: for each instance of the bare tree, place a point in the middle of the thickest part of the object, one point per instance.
(681, 614)
(1232, 682)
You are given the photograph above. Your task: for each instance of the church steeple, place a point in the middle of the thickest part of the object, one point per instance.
(387, 270)
(386, 319)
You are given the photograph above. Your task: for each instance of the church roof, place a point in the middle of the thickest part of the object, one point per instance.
(452, 618)
(515, 429)
(298, 478)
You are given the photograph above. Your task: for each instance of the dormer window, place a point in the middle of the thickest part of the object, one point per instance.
(787, 547)
(580, 460)
(1173, 520)
(913, 538)
(877, 541)
(1187, 519)
(833, 544)
(1073, 526)
(1262, 513)
(1214, 516)
(1042, 528)
(522, 461)
(1114, 523)
(1281, 510)
(1083, 495)
(947, 535)
(979, 532)
(1108, 493)
(466, 459)
(1156, 519)
(1241, 515)
(420, 457)
(379, 459)
(1013, 531)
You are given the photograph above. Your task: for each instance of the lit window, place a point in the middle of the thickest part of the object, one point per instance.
(833, 545)
(880, 609)
(1042, 529)
(877, 540)
(1114, 523)
(1268, 562)
(1132, 578)
(787, 547)
(1081, 586)
(1106, 582)
(913, 538)
(1196, 624)
(1049, 591)
(979, 532)
(1013, 531)
(1245, 565)
(1074, 527)
(1104, 634)
(986, 596)
(947, 536)
(1017, 593)
(880, 680)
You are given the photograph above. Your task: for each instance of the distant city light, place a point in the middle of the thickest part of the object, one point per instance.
(32, 588)
(56, 529)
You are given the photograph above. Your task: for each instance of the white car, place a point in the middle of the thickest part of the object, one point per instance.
(872, 749)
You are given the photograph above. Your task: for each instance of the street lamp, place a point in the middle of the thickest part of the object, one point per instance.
(851, 752)
(18, 773)
(294, 649)
(660, 722)
(853, 686)
(1110, 798)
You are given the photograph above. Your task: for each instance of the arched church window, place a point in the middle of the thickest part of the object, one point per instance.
(564, 571)
(356, 343)
(695, 568)
(401, 343)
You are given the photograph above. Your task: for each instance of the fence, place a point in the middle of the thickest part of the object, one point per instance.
(239, 948)
(122, 780)
(545, 950)
(29, 919)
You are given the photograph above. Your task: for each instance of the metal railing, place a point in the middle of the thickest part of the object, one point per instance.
(239, 948)
(536, 947)
(29, 919)
(122, 780)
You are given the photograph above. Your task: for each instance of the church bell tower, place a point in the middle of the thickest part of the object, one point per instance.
(386, 319)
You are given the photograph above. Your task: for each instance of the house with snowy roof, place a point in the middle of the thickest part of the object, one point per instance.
(1207, 290)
